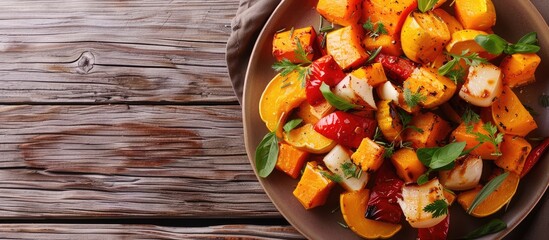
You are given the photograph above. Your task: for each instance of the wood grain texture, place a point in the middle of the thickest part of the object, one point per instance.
(114, 232)
(126, 161)
(114, 51)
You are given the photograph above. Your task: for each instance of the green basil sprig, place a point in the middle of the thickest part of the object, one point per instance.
(496, 45)
(487, 190)
(266, 155)
(495, 225)
(290, 125)
(439, 158)
(335, 100)
(426, 5)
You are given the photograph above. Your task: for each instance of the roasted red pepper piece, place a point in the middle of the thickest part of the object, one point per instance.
(534, 156)
(383, 205)
(345, 128)
(396, 68)
(437, 232)
(324, 69)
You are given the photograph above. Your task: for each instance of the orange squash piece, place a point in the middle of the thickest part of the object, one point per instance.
(388, 121)
(464, 40)
(435, 88)
(374, 74)
(495, 201)
(510, 116)
(476, 14)
(485, 150)
(514, 151)
(433, 131)
(518, 69)
(307, 139)
(424, 36)
(450, 196)
(389, 44)
(407, 165)
(284, 44)
(277, 102)
(342, 12)
(345, 46)
(313, 187)
(311, 114)
(353, 206)
(290, 160)
(369, 155)
(451, 22)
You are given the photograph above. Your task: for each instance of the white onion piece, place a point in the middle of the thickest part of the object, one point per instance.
(483, 84)
(415, 198)
(388, 91)
(334, 161)
(465, 174)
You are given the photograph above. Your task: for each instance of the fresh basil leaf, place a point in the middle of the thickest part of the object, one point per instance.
(266, 155)
(425, 155)
(426, 5)
(529, 38)
(292, 124)
(424, 178)
(492, 43)
(495, 225)
(523, 48)
(487, 190)
(335, 100)
(446, 155)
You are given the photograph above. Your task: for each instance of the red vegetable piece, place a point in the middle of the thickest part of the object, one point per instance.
(345, 128)
(534, 156)
(319, 39)
(383, 205)
(437, 232)
(324, 69)
(396, 68)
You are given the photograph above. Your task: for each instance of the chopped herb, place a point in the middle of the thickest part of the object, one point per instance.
(544, 100)
(456, 75)
(374, 54)
(292, 124)
(333, 177)
(389, 150)
(300, 52)
(405, 119)
(335, 100)
(437, 208)
(326, 29)
(285, 66)
(266, 155)
(470, 117)
(424, 178)
(413, 99)
(343, 225)
(454, 69)
(351, 170)
(487, 190)
(426, 5)
(374, 29)
(335, 210)
(492, 137)
(494, 226)
(496, 45)
(377, 135)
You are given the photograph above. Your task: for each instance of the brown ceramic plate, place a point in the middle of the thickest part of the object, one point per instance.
(515, 18)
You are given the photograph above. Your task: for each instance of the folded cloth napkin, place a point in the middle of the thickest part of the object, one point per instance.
(250, 19)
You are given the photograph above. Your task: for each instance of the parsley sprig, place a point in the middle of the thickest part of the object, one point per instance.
(285, 66)
(374, 29)
(351, 170)
(413, 99)
(496, 45)
(437, 208)
(454, 70)
(470, 118)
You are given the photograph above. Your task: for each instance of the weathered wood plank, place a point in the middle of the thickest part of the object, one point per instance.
(115, 51)
(98, 231)
(126, 161)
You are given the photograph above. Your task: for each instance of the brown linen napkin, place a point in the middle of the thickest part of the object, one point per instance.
(250, 19)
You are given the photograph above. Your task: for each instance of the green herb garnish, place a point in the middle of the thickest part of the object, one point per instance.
(452, 67)
(426, 5)
(351, 170)
(266, 155)
(496, 45)
(335, 100)
(492, 137)
(487, 190)
(439, 158)
(437, 208)
(413, 99)
(292, 124)
(494, 226)
(374, 54)
(374, 29)
(333, 177)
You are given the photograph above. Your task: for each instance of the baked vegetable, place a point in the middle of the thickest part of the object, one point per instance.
(519, 68)
(290, 160)
(514, 151)
(313, 187)
(307, 139)
(424, 36)
(342, 12)
(369, 155)
(285, 46)
(464, 175)
(388, 121)
(345, 46)
(415, 200)
(374, 74)
(323, 70)
(451, 22)
(476, 14)
(408, 166)
(464, 40)
(469, 135)
(345, 128)
(429, 130)
(311, 114)
(519, 121)
(338, 160)
(482, 85)
(426, 82)
(357, 91)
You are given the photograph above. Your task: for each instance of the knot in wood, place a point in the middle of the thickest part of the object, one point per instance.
(85, 62)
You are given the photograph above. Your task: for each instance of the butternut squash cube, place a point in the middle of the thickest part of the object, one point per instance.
(342, 12)
(313, 188)
(345, 46)
(374, 74)
(311, 114)
(485, 150)
(476, 14)
(432, 130)
(514, 151)
(451, 22)
(435, 88)
(407, 165)
(284, 44)
(510, 116)
(519, 68)
(369, 155)
(424, 36)
(390, 44)
(290, 160)
(391, 13)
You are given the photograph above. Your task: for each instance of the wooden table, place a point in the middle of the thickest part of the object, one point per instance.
(118, 120)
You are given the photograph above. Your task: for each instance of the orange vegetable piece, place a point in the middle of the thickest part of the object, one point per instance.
(353, 206)
(369, 155)
(391, 13)
(476, 14)
(495, 201)
(514, 151)
(374, 74)
(434, 130)
(313, 188)
(450, 197)
(284, 44)
(465, 40)
(277, 102)
(390, 44)
(424, 36)
(510, 116)
(342, 12)
(388, 121)
(307, 139)
(290, 160)
(407, 165)
(311, 114)
(451, 22)
(436, 89)
(345, 46)
(485, 150)
(518, 69)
